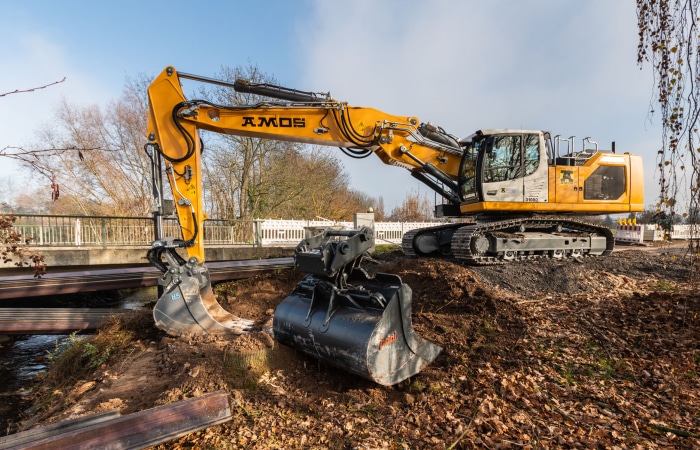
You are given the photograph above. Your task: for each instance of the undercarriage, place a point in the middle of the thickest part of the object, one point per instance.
(512, 239)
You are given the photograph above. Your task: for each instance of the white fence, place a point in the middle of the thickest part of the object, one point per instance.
(641, 233)
(685, 232)
(290, 232)
(55, 231)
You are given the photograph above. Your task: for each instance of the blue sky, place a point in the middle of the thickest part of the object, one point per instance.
(567, 66)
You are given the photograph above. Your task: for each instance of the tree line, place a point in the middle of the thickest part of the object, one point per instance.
(101, 168)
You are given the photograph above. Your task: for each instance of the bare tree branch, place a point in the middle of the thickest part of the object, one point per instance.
(19, 91)
(31, 156)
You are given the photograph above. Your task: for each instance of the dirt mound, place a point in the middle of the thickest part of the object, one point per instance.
(540, 354)
(625, 270)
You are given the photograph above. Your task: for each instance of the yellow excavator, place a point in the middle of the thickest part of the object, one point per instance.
(523, 193)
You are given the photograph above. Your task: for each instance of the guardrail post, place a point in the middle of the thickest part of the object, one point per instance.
(104, 234)
(77, 232)
(257, 231)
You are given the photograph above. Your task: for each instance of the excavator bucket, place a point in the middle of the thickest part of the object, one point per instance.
(340, 314)
(188, 305)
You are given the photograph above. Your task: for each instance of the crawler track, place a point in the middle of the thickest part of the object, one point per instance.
(468, 243)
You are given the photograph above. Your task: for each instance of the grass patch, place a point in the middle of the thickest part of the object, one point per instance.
(82, 355)
(488, 328)
(568, 375)
(417, 387)
(665, 286)
(435, 388)
(383, 249)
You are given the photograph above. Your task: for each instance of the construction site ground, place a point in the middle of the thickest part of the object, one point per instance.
(593, 353)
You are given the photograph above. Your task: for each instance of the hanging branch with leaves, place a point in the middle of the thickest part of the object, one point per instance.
(669, 40)
(13, 248)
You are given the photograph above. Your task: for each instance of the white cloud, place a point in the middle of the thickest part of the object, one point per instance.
(567, 67)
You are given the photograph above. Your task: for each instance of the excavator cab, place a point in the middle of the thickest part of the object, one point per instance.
(341, 314)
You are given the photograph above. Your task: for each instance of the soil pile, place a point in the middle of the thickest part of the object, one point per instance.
(602, 352)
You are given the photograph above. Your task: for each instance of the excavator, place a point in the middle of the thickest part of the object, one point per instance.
(511, 195)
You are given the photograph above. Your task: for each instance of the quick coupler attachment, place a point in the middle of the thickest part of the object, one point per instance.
(354, 321)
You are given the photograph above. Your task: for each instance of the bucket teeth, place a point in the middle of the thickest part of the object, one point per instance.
(188, 306)
(185, 309)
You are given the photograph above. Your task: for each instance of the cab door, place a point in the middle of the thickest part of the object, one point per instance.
(515, 169)
(503, 169)
(535, 169)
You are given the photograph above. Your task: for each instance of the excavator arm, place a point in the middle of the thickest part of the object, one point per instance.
(338, 313)
(305, 117)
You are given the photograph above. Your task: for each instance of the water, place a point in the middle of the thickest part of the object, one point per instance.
(20, 363)
(22, 360)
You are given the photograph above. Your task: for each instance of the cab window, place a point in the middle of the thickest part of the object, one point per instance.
(532, 153)
(605, 183)
(503, 162)
(467, 171)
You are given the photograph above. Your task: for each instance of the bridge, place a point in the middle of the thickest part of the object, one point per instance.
(88, 253)
(90, 241)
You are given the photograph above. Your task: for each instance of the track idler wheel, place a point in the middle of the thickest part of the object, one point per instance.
(365, 328)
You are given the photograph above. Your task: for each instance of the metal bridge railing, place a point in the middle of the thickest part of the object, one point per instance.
(113, 231)
(110, 231)
(68, 231)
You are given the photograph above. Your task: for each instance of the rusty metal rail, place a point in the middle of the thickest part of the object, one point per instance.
(133, 431)
(25, 438)
(22, 286)
(52, 320)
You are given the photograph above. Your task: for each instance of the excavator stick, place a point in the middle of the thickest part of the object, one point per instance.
(188, 305)
(340, 314)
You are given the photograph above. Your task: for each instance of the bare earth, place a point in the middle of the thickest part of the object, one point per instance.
(599, 353)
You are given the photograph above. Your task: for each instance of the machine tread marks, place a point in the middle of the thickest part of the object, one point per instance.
(466, 234)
